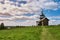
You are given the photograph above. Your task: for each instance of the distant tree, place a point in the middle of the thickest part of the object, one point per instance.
(2, 26)
(58, 24)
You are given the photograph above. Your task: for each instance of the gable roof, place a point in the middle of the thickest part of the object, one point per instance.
(44, 19)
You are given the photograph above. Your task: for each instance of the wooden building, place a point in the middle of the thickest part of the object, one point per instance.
(43, 20)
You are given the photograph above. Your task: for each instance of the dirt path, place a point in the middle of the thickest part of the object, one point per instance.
(45, 35)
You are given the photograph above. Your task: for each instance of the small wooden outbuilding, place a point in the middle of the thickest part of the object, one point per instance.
(43, 20)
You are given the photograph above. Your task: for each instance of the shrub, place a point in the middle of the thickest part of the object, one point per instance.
(2, 26)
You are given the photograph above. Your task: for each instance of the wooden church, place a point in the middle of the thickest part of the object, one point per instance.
(43, 20)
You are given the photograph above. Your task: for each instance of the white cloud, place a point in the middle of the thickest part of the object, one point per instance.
(51, 5)
(12, 18)
(13, 23)
(54, 17)
(54, 22)
(10, 8)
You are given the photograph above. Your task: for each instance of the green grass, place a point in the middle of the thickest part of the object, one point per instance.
(31, 33)
(28, 33)
(55, 32)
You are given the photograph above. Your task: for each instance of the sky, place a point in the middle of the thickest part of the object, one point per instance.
(26, 12)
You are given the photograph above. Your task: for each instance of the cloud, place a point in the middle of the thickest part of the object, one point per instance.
(9, 9)
(12, 23)
(12, 18)
(54, 22)
(54, 17)
(51, 5)
(5, 14)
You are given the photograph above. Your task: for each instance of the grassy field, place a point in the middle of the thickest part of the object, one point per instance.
(55, 32)
(31, 33)
(28, 33)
